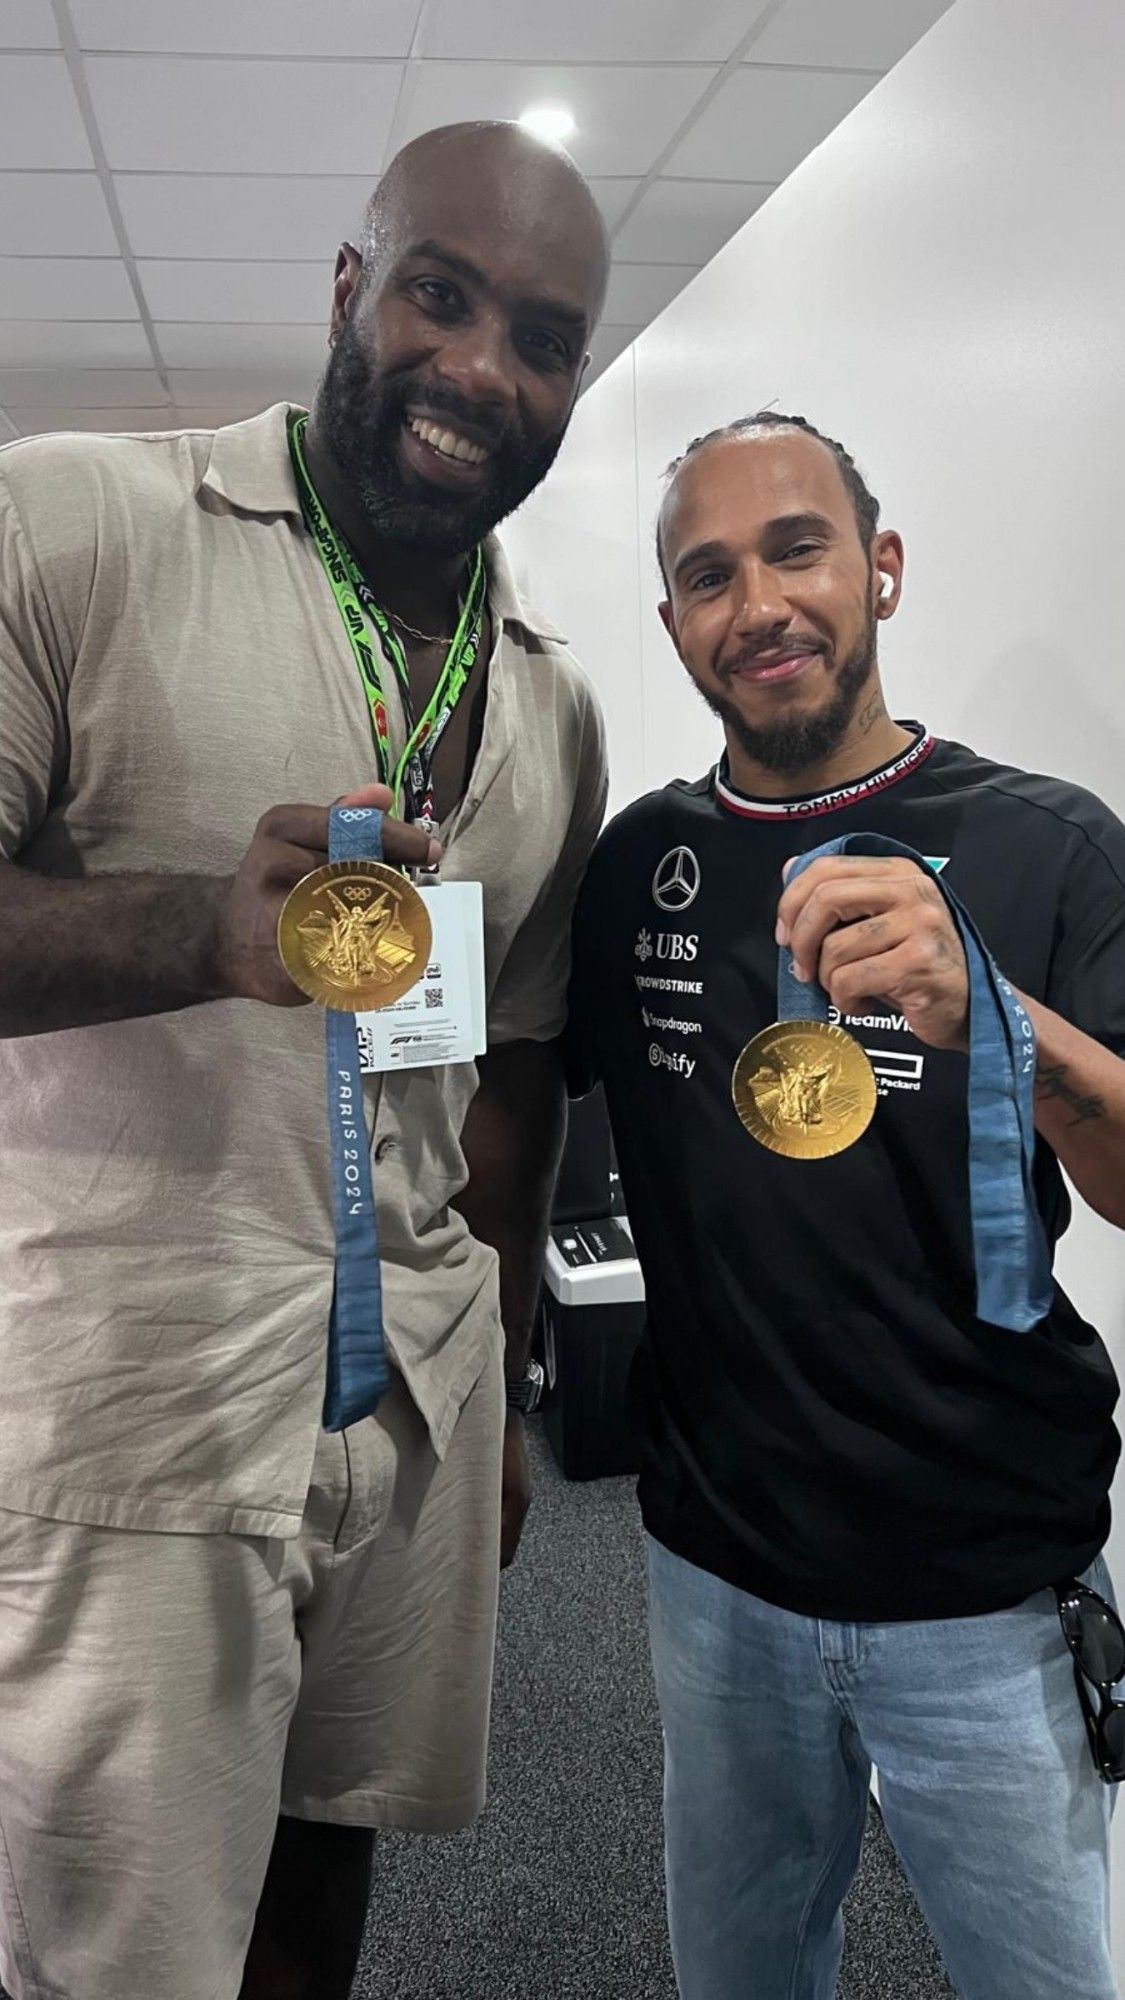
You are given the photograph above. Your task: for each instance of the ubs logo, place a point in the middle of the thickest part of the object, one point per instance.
(675, 884)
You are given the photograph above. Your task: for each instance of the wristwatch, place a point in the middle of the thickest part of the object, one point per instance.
(527, 1394)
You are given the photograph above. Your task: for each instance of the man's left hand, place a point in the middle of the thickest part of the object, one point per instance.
(515, 1492)
(878, 928)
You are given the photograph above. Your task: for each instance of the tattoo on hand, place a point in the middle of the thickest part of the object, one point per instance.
(1052, 1083)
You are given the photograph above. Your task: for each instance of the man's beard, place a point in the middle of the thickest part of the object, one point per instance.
(797, 742)
(361, 419)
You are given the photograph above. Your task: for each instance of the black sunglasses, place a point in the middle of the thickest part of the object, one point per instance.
(1096, 1638)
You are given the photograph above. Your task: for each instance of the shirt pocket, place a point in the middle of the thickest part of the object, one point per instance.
(417, 1160)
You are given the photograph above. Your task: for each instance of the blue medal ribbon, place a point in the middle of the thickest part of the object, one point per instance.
(1015, 1288)
(357, 1354)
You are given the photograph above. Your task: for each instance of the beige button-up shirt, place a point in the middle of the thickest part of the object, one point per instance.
(172, 663)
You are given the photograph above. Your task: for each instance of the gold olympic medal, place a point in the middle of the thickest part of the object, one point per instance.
(805, 1089)
(354, 935)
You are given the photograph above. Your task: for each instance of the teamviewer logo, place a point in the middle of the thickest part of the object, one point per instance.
(643, 947)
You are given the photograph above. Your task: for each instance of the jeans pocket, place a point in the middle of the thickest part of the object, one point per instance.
(1098, 1578)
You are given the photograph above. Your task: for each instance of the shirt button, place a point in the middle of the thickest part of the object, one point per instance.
(385, 1147)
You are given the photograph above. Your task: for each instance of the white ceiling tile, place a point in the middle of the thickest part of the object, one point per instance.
(225, 346)
(763, 122)
(687, 222)
(586, 30)
(80, 389)
(637, 292)
(30, 343)
(40, 125)
(54, 215)
(612, 198)
(65, 288)
(33, 422)
(864, 34)
(239, 290)
(625, 116)
(607, 343)
(237, 389)
(249, 27)
(176, 113)
(251, 215)
(264, 215)
(28, 24)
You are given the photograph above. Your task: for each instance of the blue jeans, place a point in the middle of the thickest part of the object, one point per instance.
(772, 1723)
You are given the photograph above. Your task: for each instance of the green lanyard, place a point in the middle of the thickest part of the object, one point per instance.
(412, 776)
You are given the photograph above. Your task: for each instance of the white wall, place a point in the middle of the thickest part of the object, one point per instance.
(939, 286)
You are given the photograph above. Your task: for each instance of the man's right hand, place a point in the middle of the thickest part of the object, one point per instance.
(289, 842)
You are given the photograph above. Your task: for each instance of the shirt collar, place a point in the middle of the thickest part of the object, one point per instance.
(505, 601)
(249, 464)
(249, 467)
(813, 805)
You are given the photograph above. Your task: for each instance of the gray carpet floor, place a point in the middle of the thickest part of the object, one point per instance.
(557, 1893)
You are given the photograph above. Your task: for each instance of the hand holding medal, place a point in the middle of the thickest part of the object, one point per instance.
(354, 935)
(867, 926)
(880, 924)
(289, 849)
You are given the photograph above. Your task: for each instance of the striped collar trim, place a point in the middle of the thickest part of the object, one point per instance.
(774, 811)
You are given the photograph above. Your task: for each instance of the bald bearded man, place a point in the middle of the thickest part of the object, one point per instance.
(232, 1642)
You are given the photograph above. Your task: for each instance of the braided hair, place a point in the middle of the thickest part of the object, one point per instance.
(863, 501)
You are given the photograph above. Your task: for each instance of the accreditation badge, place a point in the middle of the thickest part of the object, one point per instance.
(442, 1018)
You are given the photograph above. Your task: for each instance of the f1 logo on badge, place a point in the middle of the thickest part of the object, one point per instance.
(675, 884)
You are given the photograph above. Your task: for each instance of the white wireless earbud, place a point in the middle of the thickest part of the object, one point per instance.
(888, 588)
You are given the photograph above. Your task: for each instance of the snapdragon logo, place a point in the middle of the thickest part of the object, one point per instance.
(670, 1027)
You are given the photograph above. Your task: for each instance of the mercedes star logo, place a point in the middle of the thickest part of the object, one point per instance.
(675, 884)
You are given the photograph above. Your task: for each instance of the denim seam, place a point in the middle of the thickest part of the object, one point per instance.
(806, 1913)
(840, 1696)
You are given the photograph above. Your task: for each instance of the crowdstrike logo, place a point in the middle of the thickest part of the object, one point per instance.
(675, 884)
(644, 947)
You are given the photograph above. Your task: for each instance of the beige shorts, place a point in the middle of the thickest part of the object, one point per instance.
(164, 1696)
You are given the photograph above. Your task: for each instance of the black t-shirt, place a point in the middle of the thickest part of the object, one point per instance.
(825, 1420)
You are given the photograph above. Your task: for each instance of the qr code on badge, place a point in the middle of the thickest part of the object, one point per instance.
(435, 997)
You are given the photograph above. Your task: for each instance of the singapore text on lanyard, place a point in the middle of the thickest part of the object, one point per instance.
(411, 778)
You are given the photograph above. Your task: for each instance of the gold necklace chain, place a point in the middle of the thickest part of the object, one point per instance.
(427, 638)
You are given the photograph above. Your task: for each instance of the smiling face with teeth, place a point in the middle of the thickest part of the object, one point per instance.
(460, 335)
(774, 596)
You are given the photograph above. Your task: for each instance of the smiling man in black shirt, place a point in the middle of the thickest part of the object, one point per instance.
(858, 1493)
